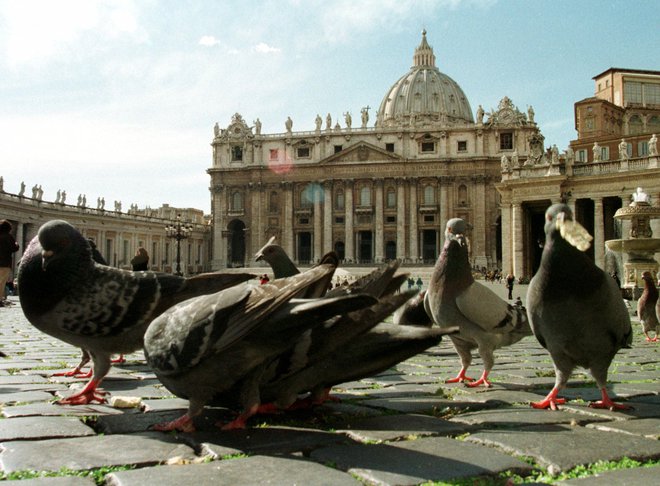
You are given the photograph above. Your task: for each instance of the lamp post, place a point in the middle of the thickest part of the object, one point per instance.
(178, 231)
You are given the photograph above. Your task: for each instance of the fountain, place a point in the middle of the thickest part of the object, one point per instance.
(640, 247)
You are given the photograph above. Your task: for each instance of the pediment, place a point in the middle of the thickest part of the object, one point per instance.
(359, 153)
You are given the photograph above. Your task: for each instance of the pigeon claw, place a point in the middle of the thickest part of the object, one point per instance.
(606, 402)
(89, 394)
(182, 424)
(459, 378)
(551, 401)
(481, 381)
(119, 360)
(75, 373)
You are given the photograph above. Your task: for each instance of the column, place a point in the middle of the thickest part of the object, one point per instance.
(318, 225)
(599, 232)
(254, 234)
(379, 247)
(507, 230)
(400, 219)
(219, 239)
(348, 202)
(327, 216)
(480, 226)
(444, 209)
(518, 253)
(414, 230)
(287, 226)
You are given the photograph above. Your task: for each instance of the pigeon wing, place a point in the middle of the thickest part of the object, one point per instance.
(483, 307)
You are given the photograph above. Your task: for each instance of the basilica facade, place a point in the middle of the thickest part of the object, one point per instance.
(375, 191)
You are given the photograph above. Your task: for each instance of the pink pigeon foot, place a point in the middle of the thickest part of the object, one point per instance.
(551, 401)
(240, 422)
(89, 394)
(606, 402)
(75, 373)
(119, 360)
(182, 424)
(481, 381)
(460, 377)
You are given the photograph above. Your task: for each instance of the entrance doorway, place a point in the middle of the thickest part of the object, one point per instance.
(390, 251)
(365, 246)
(304, 247)
(429, 245)
(236, 247)
(534, 236)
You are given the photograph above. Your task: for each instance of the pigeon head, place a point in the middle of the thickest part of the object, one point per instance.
(269, 251)
(455, 231)
(559, 220)
(61, 242)
(648, 278)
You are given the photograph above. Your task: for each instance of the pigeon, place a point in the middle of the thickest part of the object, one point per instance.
(218, 345)
(575, 308)
(412, 313)
(454, 298)
(648, 307)
(101, 309)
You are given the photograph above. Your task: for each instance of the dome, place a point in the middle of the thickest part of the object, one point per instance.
(424, 95)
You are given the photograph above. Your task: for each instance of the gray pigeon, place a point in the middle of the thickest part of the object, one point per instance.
(646, 308)
(454, 298)
(211, 345)
(575, 308)
(101, 309)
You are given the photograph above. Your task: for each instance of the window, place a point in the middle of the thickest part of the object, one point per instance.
(167, 253)
(462, 195)
(629, 149)
(652, 94)
(391, 198)
(635, 125)
(428, 146)
(389, 147)
(338, 148)
(339, 220)
(303, 220)
(237, 201)
(581, 155)
(506, 141)
(390, 219)
(236, 153)
(274, 154)
(589, 123)
(642, 149)
(429, 195)
(307, 196)
(303, 152)
(462, 146)
(365, 196)
(274, 202)
(632, 92)
(604, 153)
(339, 200)
(429, 218)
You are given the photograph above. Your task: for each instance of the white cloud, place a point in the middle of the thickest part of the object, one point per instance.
(208, 41)
(264, 48)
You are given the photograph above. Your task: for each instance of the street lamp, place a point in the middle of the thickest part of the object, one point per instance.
(178, 231)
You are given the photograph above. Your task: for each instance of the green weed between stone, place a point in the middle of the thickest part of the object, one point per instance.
(98, 474)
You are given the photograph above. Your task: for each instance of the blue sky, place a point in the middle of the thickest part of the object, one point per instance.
(118, 98)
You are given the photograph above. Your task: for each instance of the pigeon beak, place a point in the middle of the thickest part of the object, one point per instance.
(46, 256)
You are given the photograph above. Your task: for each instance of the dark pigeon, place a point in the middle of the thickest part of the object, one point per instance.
(413, 313)
(101, 309)
(575, 308)
(454, 298)
(219, 344)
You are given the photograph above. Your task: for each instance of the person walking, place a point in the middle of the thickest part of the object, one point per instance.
(8, 247)
(510, 280)
(140, 261)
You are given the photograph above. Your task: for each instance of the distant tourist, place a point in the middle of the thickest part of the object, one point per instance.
(8, 247)
(140, 261)
(510, 280)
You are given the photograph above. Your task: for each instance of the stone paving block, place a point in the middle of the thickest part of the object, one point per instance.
(427, 404)
(30, 428)
(21, 379)
(158, 404)
(520, 416)
(416, 461)
(646, 427)
(21, 387)
(49, 409)
(561, 447)
(25, 397)
(92, 452)
(637, 476)
(56, 481)
(639, 410)
(498, 395)
(266, 440)
(250, 470)
(392, 427)
(404, 390)
(129, 423)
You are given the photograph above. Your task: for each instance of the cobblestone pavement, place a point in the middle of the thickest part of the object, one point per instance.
(404, 426)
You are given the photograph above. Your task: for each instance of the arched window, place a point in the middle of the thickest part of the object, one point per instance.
(391, 198)
(429, 195)
(339, 199)
(365, 196)
(237, 201)
(635, 125)
(653, 125)
(306, 197)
